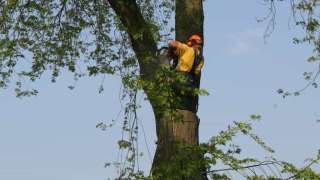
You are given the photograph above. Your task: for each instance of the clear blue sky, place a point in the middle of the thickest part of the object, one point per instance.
(53, 136)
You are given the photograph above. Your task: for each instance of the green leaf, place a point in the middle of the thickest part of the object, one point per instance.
(123, 144)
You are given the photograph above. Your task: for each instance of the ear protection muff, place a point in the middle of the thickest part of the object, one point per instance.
(193, 42)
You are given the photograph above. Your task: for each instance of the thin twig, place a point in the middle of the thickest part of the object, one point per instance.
(264, 163)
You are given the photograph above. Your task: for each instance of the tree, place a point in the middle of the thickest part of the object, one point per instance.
(52, 32)
(169, 131)
(118, 37)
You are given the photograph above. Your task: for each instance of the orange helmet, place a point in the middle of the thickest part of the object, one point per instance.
(194, 39)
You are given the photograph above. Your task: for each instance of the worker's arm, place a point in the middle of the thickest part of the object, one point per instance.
(172, 44)
(177, 47)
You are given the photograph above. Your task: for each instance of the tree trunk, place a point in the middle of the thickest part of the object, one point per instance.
(177, 155)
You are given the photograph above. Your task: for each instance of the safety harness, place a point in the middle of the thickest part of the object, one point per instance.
(196, 78)
(197, 59)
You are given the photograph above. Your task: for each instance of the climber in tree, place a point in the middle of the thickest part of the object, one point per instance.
(189, 64)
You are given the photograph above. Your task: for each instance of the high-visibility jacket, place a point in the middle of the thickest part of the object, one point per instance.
(186, 57)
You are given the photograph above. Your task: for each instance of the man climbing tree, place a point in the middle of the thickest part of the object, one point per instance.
(121, 37)
(189, 64)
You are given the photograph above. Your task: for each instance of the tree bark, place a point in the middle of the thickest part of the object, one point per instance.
(177, 156)
(189, 19)
(176, 138)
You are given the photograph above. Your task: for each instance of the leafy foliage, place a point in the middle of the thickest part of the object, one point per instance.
(38, 36)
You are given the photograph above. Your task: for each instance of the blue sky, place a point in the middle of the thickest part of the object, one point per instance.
(53, 136)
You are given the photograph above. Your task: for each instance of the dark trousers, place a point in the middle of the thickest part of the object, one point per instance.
(185, 92)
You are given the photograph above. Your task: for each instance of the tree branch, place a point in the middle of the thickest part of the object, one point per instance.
(139, 32)
(315, 161)
(59, 14)
(264, 163)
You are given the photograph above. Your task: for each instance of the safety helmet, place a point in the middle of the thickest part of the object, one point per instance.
(194, 39)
